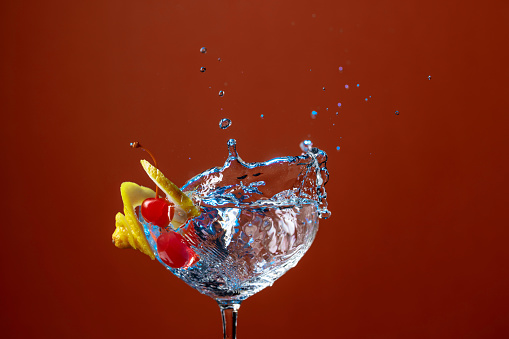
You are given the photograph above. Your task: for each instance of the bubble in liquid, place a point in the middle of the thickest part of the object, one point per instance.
(221, 93)
(203, 50)
(323, 88)
(306, 145)
(202, 69)
(314, 114)
(225, 123)
(429, 77)
(397, 112)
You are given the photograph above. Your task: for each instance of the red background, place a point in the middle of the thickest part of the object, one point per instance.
(416, 245)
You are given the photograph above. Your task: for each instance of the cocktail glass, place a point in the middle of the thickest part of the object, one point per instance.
(243, 244)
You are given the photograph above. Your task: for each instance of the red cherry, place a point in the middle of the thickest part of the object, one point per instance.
(157, 211)
(174, 251)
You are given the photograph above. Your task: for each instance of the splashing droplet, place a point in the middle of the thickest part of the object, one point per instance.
(314, 114)
(203, 50)
(221, 93)
(306, 145)
(397, 112)
(202, 69)
(225, 123)
(429, 77)
(232, 148)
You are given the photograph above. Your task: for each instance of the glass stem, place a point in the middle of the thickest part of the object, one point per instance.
(229, 311)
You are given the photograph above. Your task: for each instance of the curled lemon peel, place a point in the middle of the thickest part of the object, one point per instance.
(129, 232)
(185, 207)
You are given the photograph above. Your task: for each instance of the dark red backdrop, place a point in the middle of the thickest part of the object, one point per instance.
(416, 245)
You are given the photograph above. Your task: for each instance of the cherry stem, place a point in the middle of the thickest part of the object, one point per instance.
(136, 144)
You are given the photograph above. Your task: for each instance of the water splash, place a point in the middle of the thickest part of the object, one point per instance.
(277, 183)
(306, 145)
(225, 123)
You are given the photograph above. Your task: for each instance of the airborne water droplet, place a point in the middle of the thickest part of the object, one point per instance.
(203, 50)
(221, 93)
(202, 69)
(306, 145)
(225, 123)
